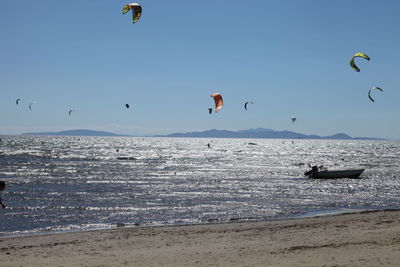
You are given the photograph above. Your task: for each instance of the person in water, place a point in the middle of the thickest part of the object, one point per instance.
(209, 144)
(2, 187)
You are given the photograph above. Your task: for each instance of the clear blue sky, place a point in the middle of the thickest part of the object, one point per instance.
(290, 57)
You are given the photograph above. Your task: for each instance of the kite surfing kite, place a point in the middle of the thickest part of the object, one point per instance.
(210, 110)
(30, 105)
(373, 88)
(293, 119)
(18, 100)
(245, 104)
(218, 101)
(353, 64)
(136, 11)
(70, 111)
(127, 105)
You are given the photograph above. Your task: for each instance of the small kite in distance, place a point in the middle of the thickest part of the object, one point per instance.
(218, 101)
(369, 92)
(353, 64)
(70, 111)
(127, 105)
(18, 100)
(293, 119)
(210, 110)
(245, 104)
(30, 105)
(136, 11)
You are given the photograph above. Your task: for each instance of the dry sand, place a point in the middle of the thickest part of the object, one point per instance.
(357, 239)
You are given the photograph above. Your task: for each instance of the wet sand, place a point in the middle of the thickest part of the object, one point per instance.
(370, 238)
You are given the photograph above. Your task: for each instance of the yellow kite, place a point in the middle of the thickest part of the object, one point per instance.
(353, 64)
(136, 11)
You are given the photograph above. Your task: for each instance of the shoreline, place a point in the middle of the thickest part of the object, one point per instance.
(311, 214)
(113, 226)
(365, 238)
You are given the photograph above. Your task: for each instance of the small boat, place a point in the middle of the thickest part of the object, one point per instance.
(320, 172)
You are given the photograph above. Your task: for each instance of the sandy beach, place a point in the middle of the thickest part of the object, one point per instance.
(370, 238)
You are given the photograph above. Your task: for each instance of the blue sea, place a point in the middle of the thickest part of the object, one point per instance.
(57, 184)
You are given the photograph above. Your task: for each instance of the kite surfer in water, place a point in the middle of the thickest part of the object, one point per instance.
(209, 144)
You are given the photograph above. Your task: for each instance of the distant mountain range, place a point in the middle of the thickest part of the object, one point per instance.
(214, 133)
(262, 133)
(79, 132)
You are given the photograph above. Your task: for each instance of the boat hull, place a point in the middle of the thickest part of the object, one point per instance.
(335, 174)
